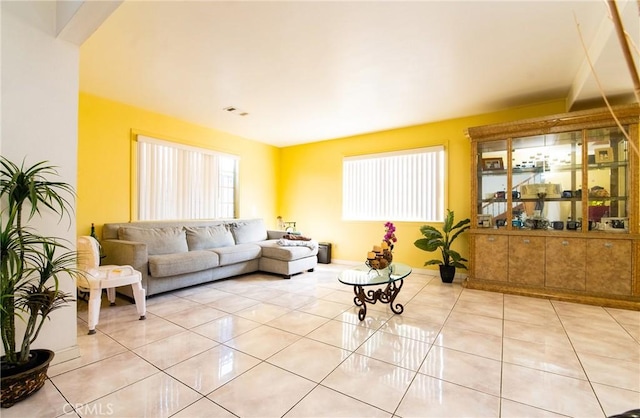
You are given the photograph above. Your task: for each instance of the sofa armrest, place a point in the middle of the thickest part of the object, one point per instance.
(272, 234)
(119, 252)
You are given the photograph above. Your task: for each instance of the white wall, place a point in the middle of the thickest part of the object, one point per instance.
(39, 111)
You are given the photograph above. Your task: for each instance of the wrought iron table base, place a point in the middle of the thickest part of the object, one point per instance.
(388, 295)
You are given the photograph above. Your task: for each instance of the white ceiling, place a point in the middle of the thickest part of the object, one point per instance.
(307, 71)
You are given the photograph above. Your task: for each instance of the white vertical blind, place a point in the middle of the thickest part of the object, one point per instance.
(403, 186)
(180, 182)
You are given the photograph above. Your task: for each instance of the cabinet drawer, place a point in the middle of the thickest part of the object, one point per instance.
(565, 266)
(609, 266)
(526, 260)
(490, 257)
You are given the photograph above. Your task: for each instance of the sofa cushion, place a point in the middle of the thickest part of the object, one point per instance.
(271, 249)
(180, 263)
(159, 240)
(237, 253)
(206, 237)
(252, 230)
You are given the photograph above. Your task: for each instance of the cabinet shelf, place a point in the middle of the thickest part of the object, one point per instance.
(538, 170)
(558, 199)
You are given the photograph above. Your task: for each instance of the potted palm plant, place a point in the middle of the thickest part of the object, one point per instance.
(31, 267)
(435, 240)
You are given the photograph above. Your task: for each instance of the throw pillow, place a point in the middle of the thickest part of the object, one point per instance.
(206, 237)
(253, 230)
(159, 240)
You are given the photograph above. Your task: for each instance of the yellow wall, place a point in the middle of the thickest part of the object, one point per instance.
(311, 185)
(104, 150)
(300, 183)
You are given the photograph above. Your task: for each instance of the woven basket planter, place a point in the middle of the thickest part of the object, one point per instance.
(21, 385)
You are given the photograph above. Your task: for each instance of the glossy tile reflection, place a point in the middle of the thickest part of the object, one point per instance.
(258, 345)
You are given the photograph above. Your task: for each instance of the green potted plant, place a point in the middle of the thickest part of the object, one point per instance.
(31, 267)
(435, 240)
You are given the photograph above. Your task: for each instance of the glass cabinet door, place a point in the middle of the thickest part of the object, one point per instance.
(492, 181)
(547, 181)
(607, 180)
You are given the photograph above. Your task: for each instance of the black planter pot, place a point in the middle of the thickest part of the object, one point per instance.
(18, 383)
(447, 273)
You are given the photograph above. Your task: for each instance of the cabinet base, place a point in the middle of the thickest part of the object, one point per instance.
(622, 302)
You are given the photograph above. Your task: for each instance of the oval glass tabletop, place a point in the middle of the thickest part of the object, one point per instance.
(363, 275)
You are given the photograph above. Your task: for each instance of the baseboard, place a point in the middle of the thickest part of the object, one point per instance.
(66, 355)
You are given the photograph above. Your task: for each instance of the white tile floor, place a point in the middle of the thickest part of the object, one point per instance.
(261, 346)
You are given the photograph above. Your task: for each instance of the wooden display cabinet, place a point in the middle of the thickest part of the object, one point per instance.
(555, 207)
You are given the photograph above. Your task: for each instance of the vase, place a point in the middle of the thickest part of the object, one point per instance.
(387, 255)
(21, 382)
(447, 273)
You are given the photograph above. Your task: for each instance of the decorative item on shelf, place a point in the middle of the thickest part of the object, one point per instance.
(519, 217)
(598, 192)
(574, 225)
(492, 164)
(531, 191)
(603, 155)
(484, 221)
(537, 223)
(540, 201)
(615, 224)
(598, 203)
(32, 267)
(435, 240)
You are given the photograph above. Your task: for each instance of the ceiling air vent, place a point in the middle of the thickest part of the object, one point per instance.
(232, 109)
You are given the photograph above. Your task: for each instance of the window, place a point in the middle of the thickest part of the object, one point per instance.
(401, 186)
(181, 182)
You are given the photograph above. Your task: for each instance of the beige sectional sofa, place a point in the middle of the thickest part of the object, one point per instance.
(172, 255)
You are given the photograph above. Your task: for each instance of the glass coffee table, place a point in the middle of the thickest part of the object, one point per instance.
(363, 276)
